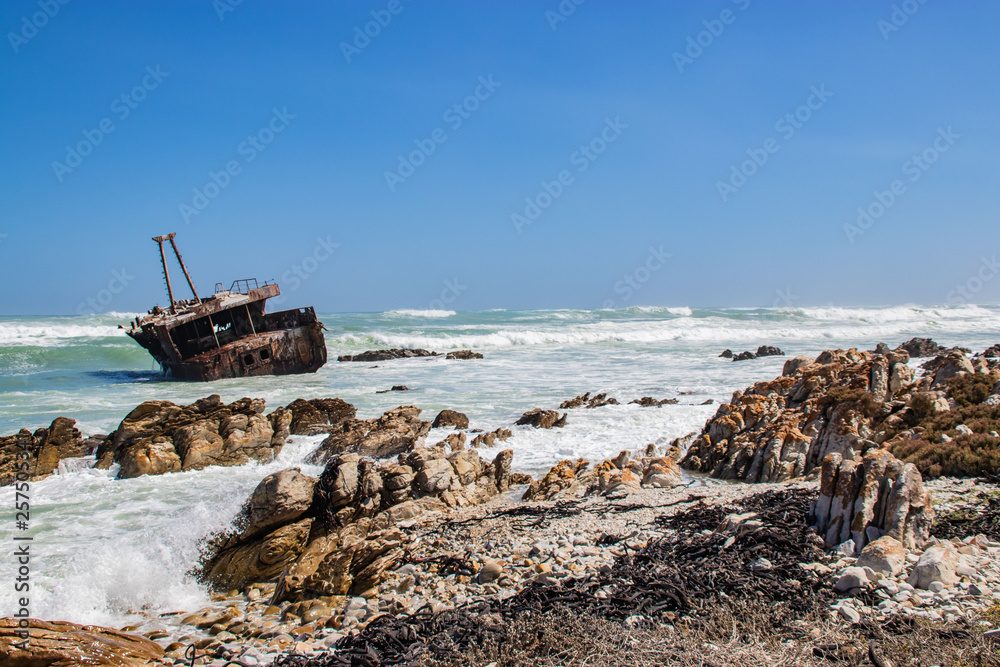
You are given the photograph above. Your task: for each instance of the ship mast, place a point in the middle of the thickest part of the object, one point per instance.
(166, 273)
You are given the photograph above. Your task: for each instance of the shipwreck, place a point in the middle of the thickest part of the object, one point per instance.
(228, 335)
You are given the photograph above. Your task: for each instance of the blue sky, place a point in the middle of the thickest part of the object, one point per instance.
(644, 125)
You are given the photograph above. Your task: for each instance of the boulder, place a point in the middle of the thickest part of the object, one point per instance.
(885, 555)
(62, 644)
(792, 366)
(280, 498)
(450, 418)
(921, 347)
(992, 351)
(491, 438)
(319, 415)
(158, 437)
(769, 351)
(650, 402)
(937, 563)
(540, 418)
(744, 356)
(387, 355)
(851, 578)
(398, 430)
(953, 364)
(726, 354)
(463, 354)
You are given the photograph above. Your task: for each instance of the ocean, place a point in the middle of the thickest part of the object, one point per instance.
(113, 552)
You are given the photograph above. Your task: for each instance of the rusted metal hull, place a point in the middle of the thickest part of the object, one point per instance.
(283, 352)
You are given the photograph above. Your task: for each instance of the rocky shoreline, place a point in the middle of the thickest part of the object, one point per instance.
(819, 492)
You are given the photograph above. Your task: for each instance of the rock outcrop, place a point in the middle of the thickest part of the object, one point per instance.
(451, 418)
(61, 644)
(318, 415)
(612, 477)
(38, 454)
(877, 496)
(159, 437)
(921, 347)
(398, 430)
(463, 354)
(650, 402)
(540, 418)
(784, 428)
(337, 535)
(585, 400)
(387, 355)
(491, 438)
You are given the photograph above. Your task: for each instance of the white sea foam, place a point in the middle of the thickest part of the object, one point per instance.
(420, 313)
(47, 335)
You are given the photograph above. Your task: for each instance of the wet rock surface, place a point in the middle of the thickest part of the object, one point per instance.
(398, 430)
(62, 644)
(159, 437)
(463, 354)
(38, 454)
(318, 415)
(387, 355)
(540, 418)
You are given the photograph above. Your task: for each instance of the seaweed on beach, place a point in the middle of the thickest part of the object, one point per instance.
(981, 518)
(685, 575)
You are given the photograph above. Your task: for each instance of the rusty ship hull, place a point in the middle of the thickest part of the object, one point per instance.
(228, 335)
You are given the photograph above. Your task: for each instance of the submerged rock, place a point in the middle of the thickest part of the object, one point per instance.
(463, 354)
(386, 355)
(585, 400)
(540, 418)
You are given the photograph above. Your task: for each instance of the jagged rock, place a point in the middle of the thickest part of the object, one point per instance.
(954, 363)
(44, 449)
(793, 365)
(491, 438)
(456, 441)
(159, 436)
(879, 492)
(281, 427)
(342, 540)
(398, 430)
(885, 555)
(783, 428)
(769, 351)
(585, 400)
(540, 418)
(881, 349)
(319, 415)
(921, 347)
(519, 478)
(620, 476)
(992, 351)
(744, 356)
(727, 354)
(61, 644)
(386, 355)
(650, 402)
(463, 354)
(451, 418)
